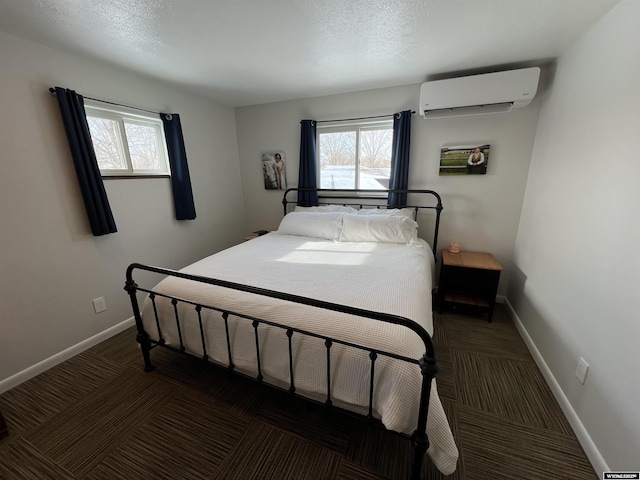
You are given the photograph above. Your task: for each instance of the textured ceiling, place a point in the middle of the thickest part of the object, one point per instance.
(246, 52)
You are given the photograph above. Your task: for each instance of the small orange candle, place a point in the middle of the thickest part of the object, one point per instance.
(454, 247)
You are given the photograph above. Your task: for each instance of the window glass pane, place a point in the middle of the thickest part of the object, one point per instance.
(337, 159)
(106, 143)
(375, 158)
(127, 144)
(143, 146)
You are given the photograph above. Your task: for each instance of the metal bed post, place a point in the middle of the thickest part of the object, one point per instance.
(142, 338)
(429, 367)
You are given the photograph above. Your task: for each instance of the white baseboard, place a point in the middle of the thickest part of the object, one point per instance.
(47, 363)
(590, 448)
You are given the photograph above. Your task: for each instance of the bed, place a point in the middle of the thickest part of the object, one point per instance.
(334, 306)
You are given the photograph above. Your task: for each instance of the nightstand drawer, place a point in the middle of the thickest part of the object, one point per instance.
(471, 278)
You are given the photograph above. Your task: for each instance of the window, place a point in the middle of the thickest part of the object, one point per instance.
(355, 155)
(127, 144)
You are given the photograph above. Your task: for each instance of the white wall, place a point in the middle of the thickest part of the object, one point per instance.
(480, 212)
(578, 267)
(51, 266)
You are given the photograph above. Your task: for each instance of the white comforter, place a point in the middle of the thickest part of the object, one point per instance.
(390, 278)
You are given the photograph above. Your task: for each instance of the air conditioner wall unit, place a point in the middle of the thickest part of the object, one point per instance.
(478, 94)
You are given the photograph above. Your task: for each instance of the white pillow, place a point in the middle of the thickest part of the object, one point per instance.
(378, 228)
(307, 224)
(326, 208)
(400, 212)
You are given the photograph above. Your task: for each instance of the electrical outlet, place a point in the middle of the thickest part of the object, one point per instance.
(581, 371)
(99, 304)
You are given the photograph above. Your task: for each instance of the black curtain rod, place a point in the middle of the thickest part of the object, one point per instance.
(53, 90)
(360, 118)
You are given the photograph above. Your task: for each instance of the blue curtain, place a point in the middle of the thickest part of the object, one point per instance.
(84, 158)
(399, 179)
(180, 179)
(307, 173)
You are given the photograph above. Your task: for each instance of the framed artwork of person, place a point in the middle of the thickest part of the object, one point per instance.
(273, 171)
(464, 159)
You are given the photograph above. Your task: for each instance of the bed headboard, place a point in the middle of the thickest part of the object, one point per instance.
(419, 200)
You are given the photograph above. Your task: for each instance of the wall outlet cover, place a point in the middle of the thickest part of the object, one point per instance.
(581, 371)
(99, 304)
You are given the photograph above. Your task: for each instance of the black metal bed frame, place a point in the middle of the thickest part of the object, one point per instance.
(428, 363)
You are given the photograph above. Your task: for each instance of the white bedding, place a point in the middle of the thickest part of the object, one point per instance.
(383, 277)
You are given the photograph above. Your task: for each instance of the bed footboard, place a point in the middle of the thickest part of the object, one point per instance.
(427, 363)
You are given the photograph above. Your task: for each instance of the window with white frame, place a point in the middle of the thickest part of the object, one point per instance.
(127, 143)
(356, 155)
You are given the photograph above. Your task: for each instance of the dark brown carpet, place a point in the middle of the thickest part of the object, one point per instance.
(99, 416)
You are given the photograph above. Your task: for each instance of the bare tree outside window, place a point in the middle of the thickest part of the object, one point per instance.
(375, 148)
(356, 157)
(127, 144)
(143, 146)
(338, 148)
(105, 138)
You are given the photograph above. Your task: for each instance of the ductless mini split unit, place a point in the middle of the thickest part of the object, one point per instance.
(478, 94)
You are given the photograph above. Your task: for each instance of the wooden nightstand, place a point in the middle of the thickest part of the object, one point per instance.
(469, 278)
